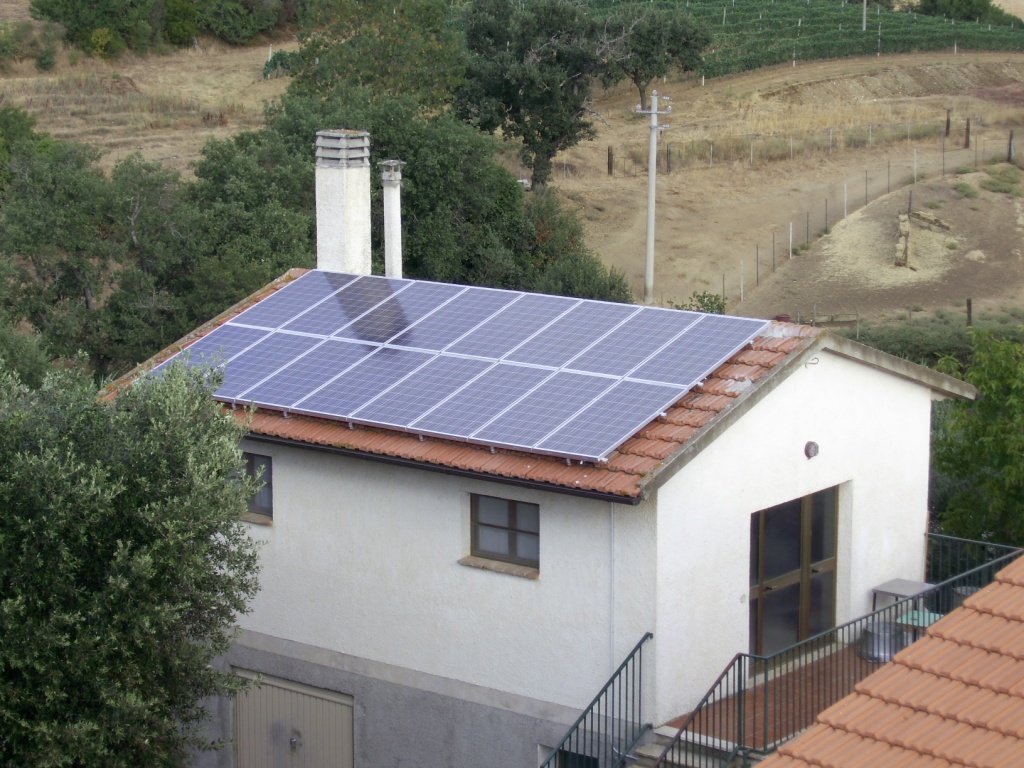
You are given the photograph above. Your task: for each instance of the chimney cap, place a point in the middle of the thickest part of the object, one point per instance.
(391, 170)
(342, 149)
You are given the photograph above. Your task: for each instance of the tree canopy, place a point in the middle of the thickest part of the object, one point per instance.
(530, 73)
(980, 445)
(123, 567)
(653, 40)
(403, 47)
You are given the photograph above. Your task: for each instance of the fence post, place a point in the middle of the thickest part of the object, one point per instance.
(611, 161)
(947, 121)
(1010, 149)
(967, 135)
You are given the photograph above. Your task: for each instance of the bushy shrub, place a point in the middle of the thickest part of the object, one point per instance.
(282, 63)
(181, 26)
(106, 43)
(46, 59)
(235, 21)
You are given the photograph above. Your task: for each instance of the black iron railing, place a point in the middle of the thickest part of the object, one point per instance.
(759, 702)
(949, 556)
(612, 725)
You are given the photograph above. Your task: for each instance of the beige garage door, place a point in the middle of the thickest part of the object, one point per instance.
(281, 724)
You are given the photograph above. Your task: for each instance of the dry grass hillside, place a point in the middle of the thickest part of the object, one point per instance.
(718, 213)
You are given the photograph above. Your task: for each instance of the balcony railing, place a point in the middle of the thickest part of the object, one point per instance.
(612, 725)
(759, 702)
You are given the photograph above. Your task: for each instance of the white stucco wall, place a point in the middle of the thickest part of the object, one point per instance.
(362, 558)
(872, 429)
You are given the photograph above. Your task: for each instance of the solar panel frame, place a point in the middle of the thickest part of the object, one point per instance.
(546, 374)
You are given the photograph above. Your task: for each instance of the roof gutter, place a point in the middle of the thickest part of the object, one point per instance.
(399, 461)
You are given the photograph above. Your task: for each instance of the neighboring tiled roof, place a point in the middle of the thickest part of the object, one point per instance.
(955, 698)
(629, 470)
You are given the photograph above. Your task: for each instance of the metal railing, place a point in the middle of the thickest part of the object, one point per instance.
(759, 702)
(612, 725)
(949, 556)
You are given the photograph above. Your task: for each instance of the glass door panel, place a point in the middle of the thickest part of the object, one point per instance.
(792, 571)
(781, 627)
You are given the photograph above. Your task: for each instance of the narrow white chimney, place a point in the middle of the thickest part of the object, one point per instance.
(391, 176)
(343, 201)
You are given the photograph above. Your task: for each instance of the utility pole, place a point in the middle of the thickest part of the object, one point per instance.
(652, 175)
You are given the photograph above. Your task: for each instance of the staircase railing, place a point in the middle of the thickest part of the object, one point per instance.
(612, 725)
(759, 702)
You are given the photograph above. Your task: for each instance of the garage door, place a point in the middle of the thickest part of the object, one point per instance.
(281, 724)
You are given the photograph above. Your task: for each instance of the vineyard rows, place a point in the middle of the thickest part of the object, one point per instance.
(747, 34)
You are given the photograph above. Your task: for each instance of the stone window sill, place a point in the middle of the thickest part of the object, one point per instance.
(511, 569)
(257, 519)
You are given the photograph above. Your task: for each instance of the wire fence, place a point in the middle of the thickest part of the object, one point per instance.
(915, 151)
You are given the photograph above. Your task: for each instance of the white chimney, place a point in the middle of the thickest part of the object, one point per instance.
(391, 176)
(343, 201)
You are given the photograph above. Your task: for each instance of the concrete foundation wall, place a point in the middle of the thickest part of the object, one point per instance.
(403, 718)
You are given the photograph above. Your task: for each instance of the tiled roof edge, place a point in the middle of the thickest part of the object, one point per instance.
(707, 434)
(446, 469)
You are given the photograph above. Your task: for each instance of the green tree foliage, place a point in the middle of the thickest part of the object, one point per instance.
(107, 27)
(407, 47)
(101, 27)
(120, 266)
(703, 301)
(654, 39)
(984, 11)
(123, 568)
(237, 21)
(979, 447)
(530, 74)
(181, 24)
(52, 220)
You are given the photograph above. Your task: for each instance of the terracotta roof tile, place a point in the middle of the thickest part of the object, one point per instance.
(955, 698)
(669, 433)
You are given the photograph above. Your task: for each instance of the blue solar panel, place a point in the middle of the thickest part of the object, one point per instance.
(395, 315)
(261, 360)
(469, 408)
(513, 325)
(307, 373)
(618, 415)
(362, 382)
(549, 374)
(280, 307)
(544, 409)
(634, 341)
(695, 354)
(346, 305)
(221, 344)
(585, 324)
(421, 391)
(456, 318)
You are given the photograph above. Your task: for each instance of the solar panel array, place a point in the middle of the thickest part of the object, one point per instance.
(547, 374)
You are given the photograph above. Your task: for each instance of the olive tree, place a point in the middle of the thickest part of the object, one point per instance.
(123, 567)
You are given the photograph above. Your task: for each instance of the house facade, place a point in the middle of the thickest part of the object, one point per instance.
(432, 601)
(463, 604)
